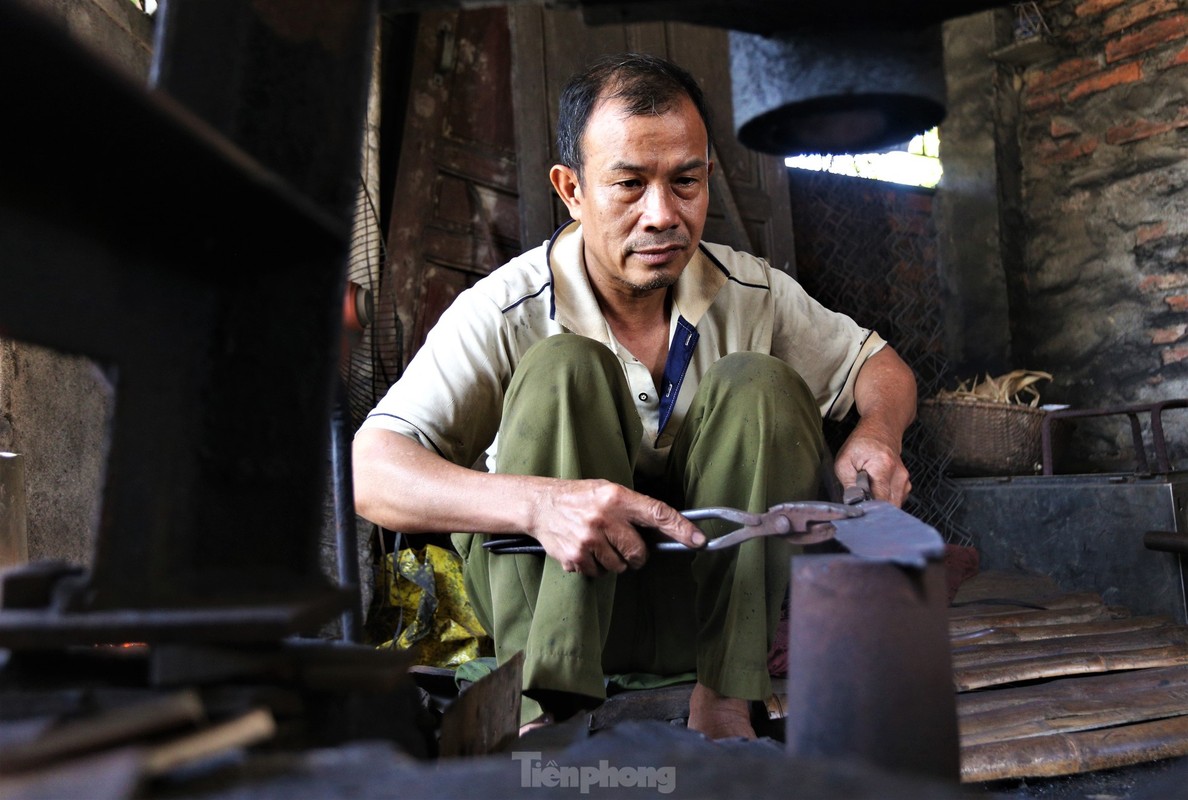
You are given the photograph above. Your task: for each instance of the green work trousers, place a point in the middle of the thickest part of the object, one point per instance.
(752, 438)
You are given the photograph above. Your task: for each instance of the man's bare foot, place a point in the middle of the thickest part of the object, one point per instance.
(539, 722)
(718, 716)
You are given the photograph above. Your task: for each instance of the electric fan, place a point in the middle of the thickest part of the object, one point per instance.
(373, 338)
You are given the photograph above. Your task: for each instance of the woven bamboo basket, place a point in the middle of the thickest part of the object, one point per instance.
(985, 438)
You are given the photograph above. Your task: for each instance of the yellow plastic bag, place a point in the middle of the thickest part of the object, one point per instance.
(433, 614)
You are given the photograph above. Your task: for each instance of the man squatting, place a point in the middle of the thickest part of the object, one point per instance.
(623, 370)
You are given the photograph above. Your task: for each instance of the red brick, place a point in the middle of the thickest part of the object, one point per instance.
(1137, 131)
(1168, 335)
(1161, 283)
(1145, 128)
(1165, 31)
(1062, 73)
(1061, 128)
(1096, 6)
(1120, 76)
(1038, 102)
(1148, 233)
(1177, 302)
(1174, 355)
(1137, 12)
(1072, 149)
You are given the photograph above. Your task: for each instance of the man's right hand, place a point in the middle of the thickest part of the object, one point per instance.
(592, 526)
(589, 526)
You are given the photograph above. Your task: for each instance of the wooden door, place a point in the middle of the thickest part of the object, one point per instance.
(455, 213)
(749, 202)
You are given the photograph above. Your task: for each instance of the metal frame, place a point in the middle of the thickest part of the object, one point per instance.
(207, 275)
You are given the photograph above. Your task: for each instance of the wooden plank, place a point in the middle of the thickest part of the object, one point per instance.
(1045, 715)
(245, 730)
(1029, 633)
(991, 584)
(1004, 605)
(1101, 718)
(1124, 641)
(1079, 687)
(112, 775)
(1018, 619)
(105, 730)
(740, 239)
(1057, 666)
(1068, 754)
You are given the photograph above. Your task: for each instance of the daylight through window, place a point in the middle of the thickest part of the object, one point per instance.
(917, 164)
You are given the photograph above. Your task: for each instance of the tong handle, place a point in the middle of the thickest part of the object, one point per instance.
(526, 545)
(513, 545)
(734, 515)
(860, 491)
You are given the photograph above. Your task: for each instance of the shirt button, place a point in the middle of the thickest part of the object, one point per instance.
(643, 396)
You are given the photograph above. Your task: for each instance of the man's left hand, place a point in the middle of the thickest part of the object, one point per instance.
(880, 458)
(885, 396)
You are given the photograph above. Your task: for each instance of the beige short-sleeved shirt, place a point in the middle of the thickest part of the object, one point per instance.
(450, 397)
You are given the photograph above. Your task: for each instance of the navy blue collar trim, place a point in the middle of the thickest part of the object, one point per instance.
(549, 264)
(680, 355)
(528, 297)
(829, 413)
(726, 272)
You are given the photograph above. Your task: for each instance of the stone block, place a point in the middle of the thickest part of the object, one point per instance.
(1169, 335)
(1149, 233)
(1163, 283)
(1143, 129)
(1062, 128)
(1069, 151)
(1174, 355)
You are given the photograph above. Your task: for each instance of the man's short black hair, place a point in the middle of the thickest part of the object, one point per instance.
(645, 84)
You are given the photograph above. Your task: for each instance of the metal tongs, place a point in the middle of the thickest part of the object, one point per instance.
(800, 522)
(865, 527)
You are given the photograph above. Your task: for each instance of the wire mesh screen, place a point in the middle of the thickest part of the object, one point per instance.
(372, 363)
(868, 249)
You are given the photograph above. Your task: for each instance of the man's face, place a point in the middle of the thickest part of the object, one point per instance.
(643, 196)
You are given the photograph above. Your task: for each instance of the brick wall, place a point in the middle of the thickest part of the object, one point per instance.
(1101, 298)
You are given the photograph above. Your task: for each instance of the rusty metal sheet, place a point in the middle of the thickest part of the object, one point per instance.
(487, 715)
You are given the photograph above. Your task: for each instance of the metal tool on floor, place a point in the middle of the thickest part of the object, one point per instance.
(864, 527)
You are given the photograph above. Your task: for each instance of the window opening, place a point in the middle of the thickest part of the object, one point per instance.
(916, 163)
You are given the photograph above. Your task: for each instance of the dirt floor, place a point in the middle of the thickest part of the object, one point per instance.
(1159, 780)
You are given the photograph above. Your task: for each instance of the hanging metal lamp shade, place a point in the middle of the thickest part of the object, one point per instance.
(836, 91)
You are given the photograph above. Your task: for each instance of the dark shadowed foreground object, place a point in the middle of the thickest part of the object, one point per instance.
(869, 669)
(228, 300)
